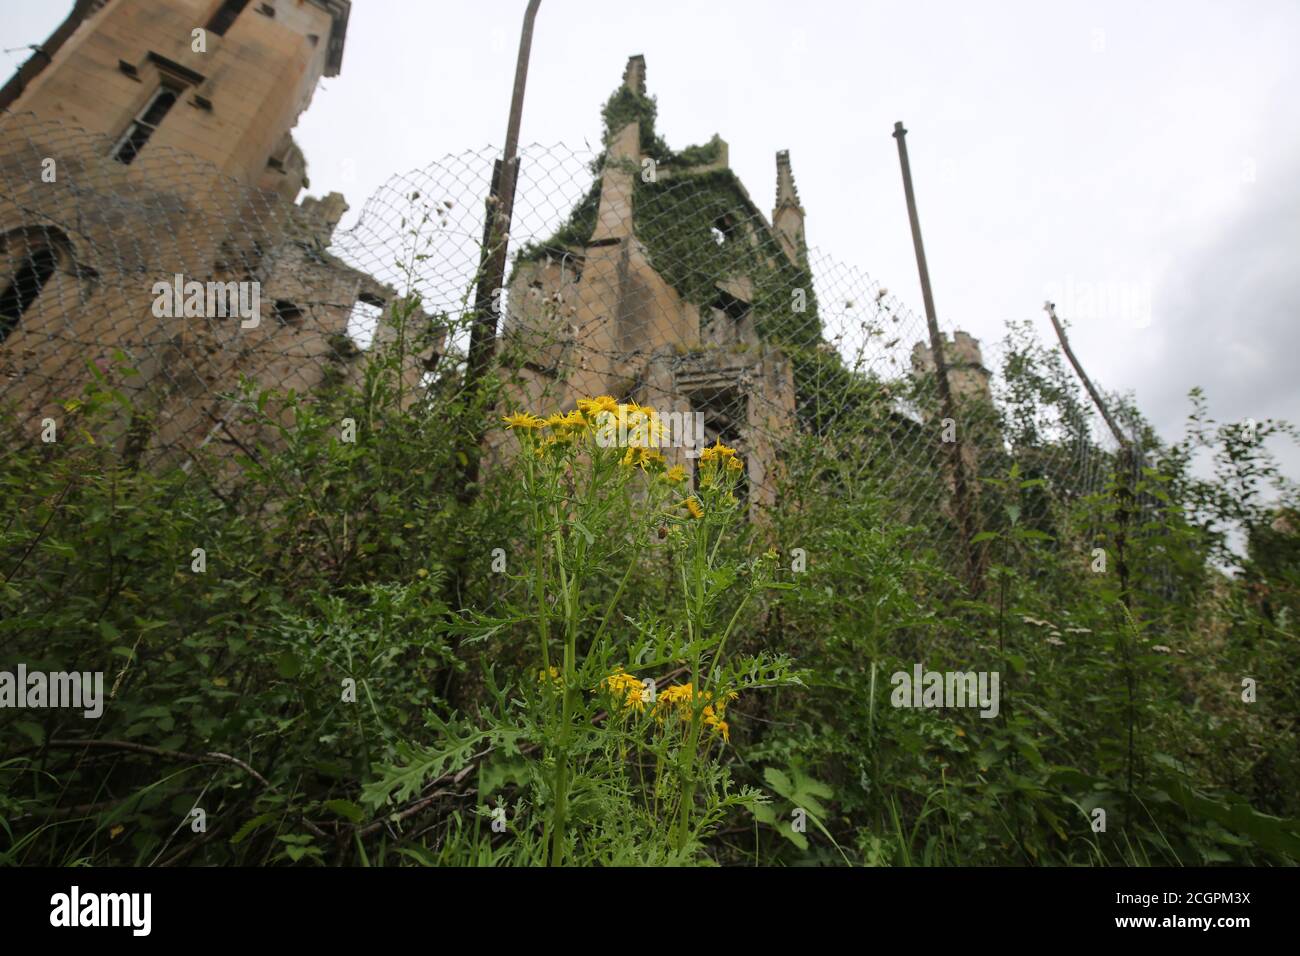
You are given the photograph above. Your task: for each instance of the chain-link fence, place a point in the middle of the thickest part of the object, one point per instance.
(662, 284)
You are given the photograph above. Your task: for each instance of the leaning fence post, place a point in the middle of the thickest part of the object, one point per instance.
(961, 501)
(1127, 461)
(492, 257)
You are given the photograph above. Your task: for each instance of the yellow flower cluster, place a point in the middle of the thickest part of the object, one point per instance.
(523, 420)
(552, 431)
(642, 424)
(715, 457)
(557, 678)
(637, 428)
(718, 453)
(625, 688)
(594, 406)
(680, 699)
(566, 424)
(637, 455)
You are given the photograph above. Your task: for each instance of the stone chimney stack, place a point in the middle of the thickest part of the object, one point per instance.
(787, 214)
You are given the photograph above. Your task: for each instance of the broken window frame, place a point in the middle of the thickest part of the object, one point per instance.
(168, 86)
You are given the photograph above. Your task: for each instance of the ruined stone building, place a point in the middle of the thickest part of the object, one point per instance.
(153, 138)
(660, 289)
(150, 139)
(670, 287)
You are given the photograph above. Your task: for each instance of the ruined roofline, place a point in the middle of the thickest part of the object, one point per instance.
(755, 213)
(44, 54)
(82, 10)
(339, 11)
(634, 79)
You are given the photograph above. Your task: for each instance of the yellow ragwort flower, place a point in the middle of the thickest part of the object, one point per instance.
(556, 678)
(593, 406)
(715, 721)
(572, 419)
(675, 699)
(675, 474)
(523, 420)
(712, 715)
(694, 507)
(734, 464)
(565, 428)
(641, 426)
(717, 452)
(636, 455)
(626, 688)
(632, 408)
(679, 699)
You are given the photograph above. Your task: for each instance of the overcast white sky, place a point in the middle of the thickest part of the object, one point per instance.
(1139, 163)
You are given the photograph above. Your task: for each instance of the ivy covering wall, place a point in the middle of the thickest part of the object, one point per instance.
(700, 229)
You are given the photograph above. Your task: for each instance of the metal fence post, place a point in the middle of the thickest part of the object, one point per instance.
(961, 501)
(492, 257)
(1127, 461)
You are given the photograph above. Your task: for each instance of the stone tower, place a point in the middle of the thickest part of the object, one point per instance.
(968, 379)
(151, 139)
(967, 376)
(224, 80)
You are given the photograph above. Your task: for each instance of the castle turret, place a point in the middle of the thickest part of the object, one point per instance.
(165, 129)
(967, 376)
(225, 81)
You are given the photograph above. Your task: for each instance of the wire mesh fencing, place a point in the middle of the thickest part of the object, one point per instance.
(663, 285)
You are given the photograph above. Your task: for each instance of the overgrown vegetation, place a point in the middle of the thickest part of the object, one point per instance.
(367, 667)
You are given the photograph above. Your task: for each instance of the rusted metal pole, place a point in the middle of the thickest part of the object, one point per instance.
(960, 493)
(1127, 459)
(492, 257)
(1050, 309)
(510, 169)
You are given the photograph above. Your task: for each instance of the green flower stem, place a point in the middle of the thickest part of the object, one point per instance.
(559, 818)
(695, 629)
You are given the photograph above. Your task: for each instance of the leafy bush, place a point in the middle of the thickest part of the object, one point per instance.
(366, 666)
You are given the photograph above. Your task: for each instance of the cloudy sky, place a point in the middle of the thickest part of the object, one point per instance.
(1137, 163)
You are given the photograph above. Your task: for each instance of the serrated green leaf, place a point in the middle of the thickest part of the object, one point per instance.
(779, 782)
